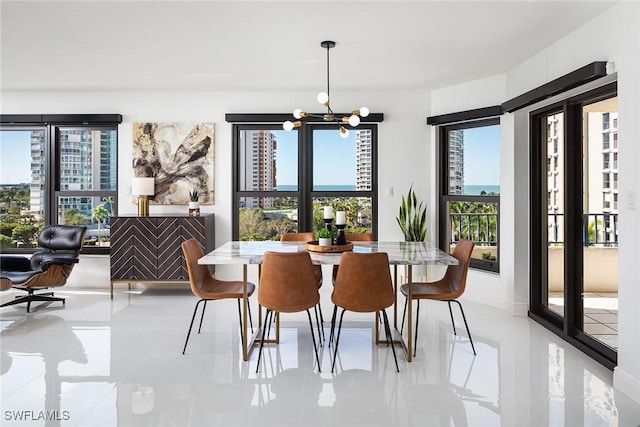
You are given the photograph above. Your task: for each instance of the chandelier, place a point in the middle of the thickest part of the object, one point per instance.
(352, 119)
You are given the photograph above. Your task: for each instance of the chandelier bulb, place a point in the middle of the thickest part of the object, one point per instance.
(364, 111)
(298, 113)
(354, 120)
(323, 98)
(344, 132)
(288, 125)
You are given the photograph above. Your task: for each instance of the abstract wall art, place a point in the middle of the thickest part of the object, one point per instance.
(180, 158)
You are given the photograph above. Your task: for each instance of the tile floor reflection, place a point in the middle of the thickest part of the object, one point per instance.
(98, 362)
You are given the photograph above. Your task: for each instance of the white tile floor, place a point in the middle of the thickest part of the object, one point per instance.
(98, 362)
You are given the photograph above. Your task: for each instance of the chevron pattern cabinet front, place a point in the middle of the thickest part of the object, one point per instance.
(148, 248)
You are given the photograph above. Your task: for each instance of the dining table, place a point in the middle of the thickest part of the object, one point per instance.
(400, 253)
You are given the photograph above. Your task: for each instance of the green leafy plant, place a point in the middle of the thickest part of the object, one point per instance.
(324, 233)
(193, 196)
(412, 218)
(488, 256)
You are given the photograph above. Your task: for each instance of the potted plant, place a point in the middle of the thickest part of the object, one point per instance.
(325, 237)
(412, 218)
(194, 203)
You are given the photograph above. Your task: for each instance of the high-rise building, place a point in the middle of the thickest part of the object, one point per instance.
(602, 180)
(456, 161)
(36, 188)
(258, 148)
(80, 169)
(363, 160)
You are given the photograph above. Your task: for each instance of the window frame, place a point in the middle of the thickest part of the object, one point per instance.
(445, 197)
(51, 124)
(305, 192)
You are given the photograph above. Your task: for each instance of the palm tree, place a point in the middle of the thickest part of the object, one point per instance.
(109, 202)
(99, 214)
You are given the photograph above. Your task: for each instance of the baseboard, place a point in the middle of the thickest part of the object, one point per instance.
(626, 384)
(513, 308)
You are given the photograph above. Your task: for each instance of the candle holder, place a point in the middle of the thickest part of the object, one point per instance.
(327, 223)
(341, 239)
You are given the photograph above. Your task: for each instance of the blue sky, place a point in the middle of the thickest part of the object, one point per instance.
(482, 155)
(15, 157)
(337, 155)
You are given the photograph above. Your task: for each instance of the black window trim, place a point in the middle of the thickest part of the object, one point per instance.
(51, 123)
(305, 192)
(445, 197)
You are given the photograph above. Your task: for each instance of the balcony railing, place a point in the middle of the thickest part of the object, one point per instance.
(479, 227)
(597, 228)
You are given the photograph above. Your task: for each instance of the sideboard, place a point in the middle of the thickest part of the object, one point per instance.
(147, 248)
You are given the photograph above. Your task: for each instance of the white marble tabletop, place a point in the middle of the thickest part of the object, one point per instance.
(400, 253)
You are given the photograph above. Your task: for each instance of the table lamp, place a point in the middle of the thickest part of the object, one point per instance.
(143, 187)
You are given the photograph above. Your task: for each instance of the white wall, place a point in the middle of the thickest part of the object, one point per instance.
(612, 36)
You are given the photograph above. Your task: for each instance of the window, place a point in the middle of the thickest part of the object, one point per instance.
(295, 174)
(62, 173)
(470, 189)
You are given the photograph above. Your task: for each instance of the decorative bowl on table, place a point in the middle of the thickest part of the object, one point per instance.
(314, 246)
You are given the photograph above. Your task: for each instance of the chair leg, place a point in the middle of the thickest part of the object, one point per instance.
(466, 325)
(195, 309)
(319, 323)
(320, 310)
(204, 307)
(313, 338)
(335, 351)
(387, 329)
(452, 321)
(415, 340)
(32, 296)
(404, 313)
(333, 324)
(264, 335)
(250, 317)
(240, 321)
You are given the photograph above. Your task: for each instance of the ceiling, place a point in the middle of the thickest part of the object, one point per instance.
(273, 45)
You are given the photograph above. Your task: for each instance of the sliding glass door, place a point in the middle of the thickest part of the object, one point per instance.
(574, 228)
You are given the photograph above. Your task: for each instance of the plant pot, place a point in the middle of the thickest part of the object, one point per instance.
(194, 208)
(325, 241)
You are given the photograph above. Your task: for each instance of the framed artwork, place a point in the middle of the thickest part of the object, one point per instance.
(180, 158)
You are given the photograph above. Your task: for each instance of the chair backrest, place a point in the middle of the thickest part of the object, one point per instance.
(457, 274)
(363, 283)
(287, 282)
(200, 277)
(359, 237)
(62, 237)
(305, 236)
(353, 237)
(58, 241)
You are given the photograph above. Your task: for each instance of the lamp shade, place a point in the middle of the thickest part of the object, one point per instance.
(142, 186)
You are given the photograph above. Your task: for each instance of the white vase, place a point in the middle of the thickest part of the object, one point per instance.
(324, 241)
(194, 208)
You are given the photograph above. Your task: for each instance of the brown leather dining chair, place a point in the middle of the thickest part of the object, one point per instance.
(287, 285)
(353, 237)
(206, 287)
(363, 285)
(448, 289)
(308, 236)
